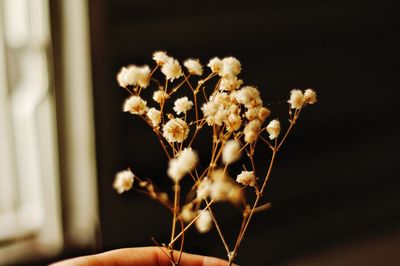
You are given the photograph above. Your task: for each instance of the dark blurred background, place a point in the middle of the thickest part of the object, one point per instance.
(335, 188)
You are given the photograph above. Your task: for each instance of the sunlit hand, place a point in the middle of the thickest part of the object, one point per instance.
(143, 256)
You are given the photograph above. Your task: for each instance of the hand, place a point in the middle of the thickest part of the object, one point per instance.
(143, 256)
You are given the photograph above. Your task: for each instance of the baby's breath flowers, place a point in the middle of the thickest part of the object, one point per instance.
(246, 178)
(239, 123)
(175, 130)
(204, 221)
(154, 116)
(231, 151)
(134, 75)
(180, 166)
(123, 181)
(273, 129)
(135, 105)
(182, 105)
(194, 67)
(171, 69)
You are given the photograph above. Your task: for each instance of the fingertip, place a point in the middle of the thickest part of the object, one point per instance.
(212, 261)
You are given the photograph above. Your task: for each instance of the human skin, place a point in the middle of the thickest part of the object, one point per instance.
(143, 256)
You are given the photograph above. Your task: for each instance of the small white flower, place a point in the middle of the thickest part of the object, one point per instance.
(134, 75)
(182, 105)
(187, 213)
(183, 164)
(223, 188)
(204, 221)
(203, 189)
(221, 98)
(231, 151)
(246, 178)
(215, 65)
(296, 100)
(249, 96)
(251, 131)
(135, 105)
(230, 83)
(263, 113)
(231, 67)
(175, 130)
(172, 69)
(155, 116)
(233, 122)
(123, 181)
(252, 113)
(160, 57)
(310, 97)
(214, 113)
(160, 96)
(193, 66)
(273, 129)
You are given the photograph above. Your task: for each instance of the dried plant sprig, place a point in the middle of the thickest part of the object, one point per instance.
(237, 117)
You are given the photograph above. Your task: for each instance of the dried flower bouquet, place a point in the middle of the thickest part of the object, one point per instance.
(237, 117)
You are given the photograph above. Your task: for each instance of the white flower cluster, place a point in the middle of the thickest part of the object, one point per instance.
(134, 75)
(298, 98)
(219, 187)
(123, 181)
(236, 114)
(231, 151)
(175, 130)
(170, 67)
(183, 164)
(135, 105)
(246, 178)
(182, 105)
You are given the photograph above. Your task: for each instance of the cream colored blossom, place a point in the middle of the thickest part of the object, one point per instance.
(172, 69)
(123, 181)
(310, 97)
(296, 100)
(215, 65)
(251, 131)
(221, 98)
(231, 67)
(231, 151)
(182, 105)
(187, 213)
(135, 105)
(160, 96)
(154, 116)
(273, 129)
(175, 130)
(230, 83)
(233, 122)
(263, 113)
(246, 178)
(160, 57)
(214, 113)
(193, 66)
(204, 189)
(204, 221)
(223, 188)
(182, 164)
(252, 113)
(134, 75)
(249, 96)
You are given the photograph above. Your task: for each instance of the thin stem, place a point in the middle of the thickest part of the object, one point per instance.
(219, 230)
(176, 194)
(190, 224)
(292, 122)
(241, 234)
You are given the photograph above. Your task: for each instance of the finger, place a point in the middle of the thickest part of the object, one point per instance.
(144, 256)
